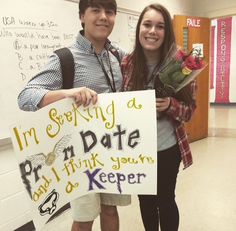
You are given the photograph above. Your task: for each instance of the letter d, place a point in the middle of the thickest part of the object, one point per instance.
(84, 136)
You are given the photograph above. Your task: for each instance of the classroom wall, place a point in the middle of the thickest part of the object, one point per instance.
(214, 8)
(14, 210)
(174, 6)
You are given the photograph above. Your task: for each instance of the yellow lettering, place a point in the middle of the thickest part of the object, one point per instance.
(119, 161)
(110, 111)
(18, 138)
(68, 116)
(75, 110)
(52, 116)
(56, 174)
(43, 188)
(70, 187)
(132, 104)
(31, 132)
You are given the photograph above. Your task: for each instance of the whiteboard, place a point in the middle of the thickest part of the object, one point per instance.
(30, 31)
(123, 33)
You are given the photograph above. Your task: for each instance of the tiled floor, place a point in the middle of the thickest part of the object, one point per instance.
(206, 192)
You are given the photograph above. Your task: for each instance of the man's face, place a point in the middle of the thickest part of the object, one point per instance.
(98, 23)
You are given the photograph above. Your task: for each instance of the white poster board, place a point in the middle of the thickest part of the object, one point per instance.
(65, 152)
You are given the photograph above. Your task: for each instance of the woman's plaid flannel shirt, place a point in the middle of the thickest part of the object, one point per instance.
(180, 112)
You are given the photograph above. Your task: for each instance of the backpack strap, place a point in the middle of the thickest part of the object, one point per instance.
(115, 52)
(67, 67)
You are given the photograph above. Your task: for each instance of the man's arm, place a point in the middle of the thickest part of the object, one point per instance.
(46, 88)
(82, 96)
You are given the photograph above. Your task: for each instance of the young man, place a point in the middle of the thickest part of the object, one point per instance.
(97, 70)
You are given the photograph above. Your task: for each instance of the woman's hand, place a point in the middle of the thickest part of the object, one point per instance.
(82, 95)
(162, 103)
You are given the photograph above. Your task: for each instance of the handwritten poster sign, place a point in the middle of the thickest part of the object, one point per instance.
(65, 152)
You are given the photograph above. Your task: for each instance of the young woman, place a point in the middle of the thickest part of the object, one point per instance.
(154, 38)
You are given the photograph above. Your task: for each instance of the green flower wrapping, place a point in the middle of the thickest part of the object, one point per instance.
(177, 72)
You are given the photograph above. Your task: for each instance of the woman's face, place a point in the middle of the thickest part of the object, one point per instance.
(152, 31)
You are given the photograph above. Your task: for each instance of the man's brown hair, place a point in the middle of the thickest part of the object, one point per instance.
(107, 4)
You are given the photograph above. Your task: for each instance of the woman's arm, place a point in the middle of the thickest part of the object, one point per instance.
(180, 110)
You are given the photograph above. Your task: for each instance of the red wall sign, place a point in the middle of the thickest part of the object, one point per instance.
(224, 31)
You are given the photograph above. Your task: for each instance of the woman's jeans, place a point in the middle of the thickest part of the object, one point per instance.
(162, 208)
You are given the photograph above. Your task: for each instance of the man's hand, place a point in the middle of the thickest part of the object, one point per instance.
(82, 96)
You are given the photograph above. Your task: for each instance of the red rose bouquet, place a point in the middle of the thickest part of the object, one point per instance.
(177, 71)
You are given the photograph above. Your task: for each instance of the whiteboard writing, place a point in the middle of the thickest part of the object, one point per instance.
(29, 32)
(32, 42)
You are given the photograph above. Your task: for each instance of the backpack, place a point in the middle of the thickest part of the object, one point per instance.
(67, 65)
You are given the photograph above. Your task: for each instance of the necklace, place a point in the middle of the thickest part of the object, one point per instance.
(110, 81)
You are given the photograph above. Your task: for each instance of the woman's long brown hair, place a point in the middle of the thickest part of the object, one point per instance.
(138, 61)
